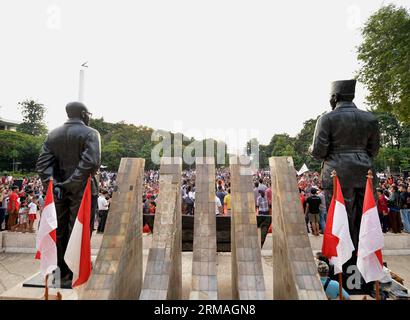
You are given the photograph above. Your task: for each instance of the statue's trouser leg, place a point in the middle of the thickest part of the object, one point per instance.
(354, 207)
(67, 210)
(354, 198)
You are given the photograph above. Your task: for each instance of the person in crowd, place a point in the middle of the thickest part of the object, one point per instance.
(189, 201)
(268, 193)
(32, 212)
(152, 206)
(405, 207)
(331, 287)
(262, 186)
(262, 203)
(220, 194)
(312, 210)
(184, 186)
(3, 195)
(218, 206)
(322, 210)
(103, 205)
(320, 257)
(13, 208)
(383, 210)
(227, 202)
(22, 224)
(302, 198)
(394, 210)
(256, 193)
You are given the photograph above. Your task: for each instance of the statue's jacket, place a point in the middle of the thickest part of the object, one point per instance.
(346, 139)
(71, 153)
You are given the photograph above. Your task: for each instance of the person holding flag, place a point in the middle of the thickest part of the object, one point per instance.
(337, 244)
(371, 242)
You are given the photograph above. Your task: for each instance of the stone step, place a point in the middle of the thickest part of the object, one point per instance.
(17, 242)
(394, 244)
(18, 292)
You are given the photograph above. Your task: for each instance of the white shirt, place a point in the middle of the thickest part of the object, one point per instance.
(218, 204)
(102, 203)
(32, 208)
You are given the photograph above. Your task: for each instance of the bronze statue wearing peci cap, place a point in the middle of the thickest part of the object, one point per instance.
(346, 139)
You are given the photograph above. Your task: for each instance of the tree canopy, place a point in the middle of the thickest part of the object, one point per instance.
(285, 145)
(385, 61)
(120, 140)
(19, 147)
(33, 118)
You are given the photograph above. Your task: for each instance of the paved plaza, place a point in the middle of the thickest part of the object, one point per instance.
(15, 268)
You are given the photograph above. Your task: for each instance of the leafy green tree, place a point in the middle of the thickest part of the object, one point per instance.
(33, 118)
(282, 145)
(111, 154)
(397, 159)
(303, 141)
(390, 130)
(100, 125)
(19, 147)
(384, 55)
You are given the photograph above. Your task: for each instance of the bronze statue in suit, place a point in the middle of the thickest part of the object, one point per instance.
(346, 139)
(70, 154)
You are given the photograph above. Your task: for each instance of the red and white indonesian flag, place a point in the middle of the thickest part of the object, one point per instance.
(369, 253)
(46, 240)
(337, 244)
(78, 253)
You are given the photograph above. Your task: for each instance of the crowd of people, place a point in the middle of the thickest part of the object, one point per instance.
(393, 202)
(21, 203)
(22, 199)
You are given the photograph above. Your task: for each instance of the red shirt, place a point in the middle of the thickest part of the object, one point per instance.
(13, 197)
(302, 201)
(382, 204)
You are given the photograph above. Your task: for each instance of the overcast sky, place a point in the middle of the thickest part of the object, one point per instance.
(182, 65)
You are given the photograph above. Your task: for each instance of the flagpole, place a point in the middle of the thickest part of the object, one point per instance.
(334, 175)
(46, 288)
(377, 290)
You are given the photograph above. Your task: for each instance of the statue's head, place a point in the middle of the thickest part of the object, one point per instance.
(78, 110)
(342, 90)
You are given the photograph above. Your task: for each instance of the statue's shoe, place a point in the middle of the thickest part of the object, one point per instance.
(65, 283)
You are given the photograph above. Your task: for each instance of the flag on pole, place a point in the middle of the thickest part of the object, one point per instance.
(46, 240)
(337, 244)
(371, 242)
(303, 170)
(78, 253)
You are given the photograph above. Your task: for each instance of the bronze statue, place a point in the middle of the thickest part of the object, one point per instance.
(70, 154)
(346, 139)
